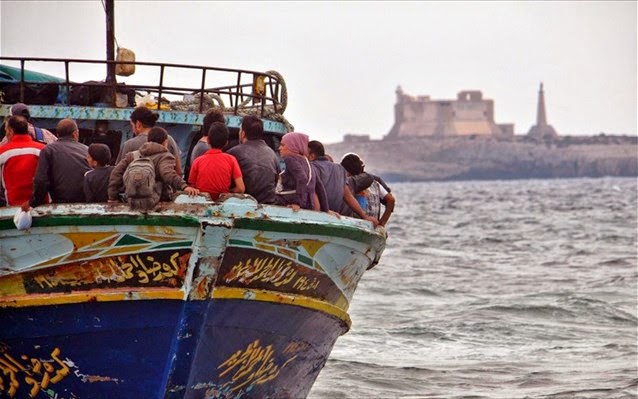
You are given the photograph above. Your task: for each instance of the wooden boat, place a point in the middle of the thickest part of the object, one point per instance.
(196, 299)
(222, 299)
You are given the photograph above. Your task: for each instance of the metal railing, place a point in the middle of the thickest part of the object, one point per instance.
(241, 92)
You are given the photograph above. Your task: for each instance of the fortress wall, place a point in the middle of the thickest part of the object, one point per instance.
(469, 114)
(467, 128)
(413, 129)
(420, 112)
(417, 118)
(473, 111)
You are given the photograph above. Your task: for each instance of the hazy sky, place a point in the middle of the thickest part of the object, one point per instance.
(342, 61)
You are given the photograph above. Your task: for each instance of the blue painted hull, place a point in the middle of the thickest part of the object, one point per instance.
(166, 349)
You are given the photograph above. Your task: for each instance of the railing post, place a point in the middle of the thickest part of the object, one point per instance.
(201, 92)
(68, 85)
(237, 91)
(262, 103)
(21, 81)
(161, 84)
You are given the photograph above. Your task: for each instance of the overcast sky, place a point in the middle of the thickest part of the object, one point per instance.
(342, 61)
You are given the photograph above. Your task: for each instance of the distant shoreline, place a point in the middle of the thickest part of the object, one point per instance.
(486, 158)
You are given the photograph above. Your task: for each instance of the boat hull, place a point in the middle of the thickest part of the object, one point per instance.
(218, 300)
(222, 348)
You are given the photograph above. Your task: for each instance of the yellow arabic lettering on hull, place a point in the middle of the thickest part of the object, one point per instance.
(253, 365)
(276, 271)
(137, 269)
(37, 373)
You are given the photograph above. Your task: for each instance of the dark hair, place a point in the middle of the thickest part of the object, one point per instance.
(157, 135)
(218, 135)
(214, 115)
(66, 127)
(315, 147)
(253, 127)
(145, 116)
(353, 164)
(18, 124)
(101, 153)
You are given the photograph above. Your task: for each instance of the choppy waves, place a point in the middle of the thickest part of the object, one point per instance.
(512, 289)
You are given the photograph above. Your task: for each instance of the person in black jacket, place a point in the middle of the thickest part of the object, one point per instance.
(61, 168)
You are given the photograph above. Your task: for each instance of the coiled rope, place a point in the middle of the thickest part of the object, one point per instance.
(212, 101)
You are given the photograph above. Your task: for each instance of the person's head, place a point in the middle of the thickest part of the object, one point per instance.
(67, 128)
(294, 143)
(158, 135)
(252, 128)
(143, 118)
(315, 150)
(352, 163)
(20, 109)
(212, 116)
(99, 155)
(16, 125)
(218, 135)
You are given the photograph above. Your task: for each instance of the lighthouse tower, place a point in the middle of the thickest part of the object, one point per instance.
(541, 130)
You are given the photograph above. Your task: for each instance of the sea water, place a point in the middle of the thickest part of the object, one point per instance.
(497, 289)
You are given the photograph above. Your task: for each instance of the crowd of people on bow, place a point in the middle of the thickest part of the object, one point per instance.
(38, 167)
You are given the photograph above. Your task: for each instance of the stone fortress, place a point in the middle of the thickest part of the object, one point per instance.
(470, 115)
(459, 140)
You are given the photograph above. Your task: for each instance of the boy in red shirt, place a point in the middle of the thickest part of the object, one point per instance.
(214, 171)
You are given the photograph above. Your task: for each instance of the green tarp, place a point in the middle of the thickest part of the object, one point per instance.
(12, 74)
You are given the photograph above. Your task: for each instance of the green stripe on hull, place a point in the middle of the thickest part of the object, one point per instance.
(101, 220)
(179, 244)
(240, 243)
(294, 226)
(330, 230)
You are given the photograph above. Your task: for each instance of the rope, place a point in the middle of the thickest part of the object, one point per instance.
(283, 99)
(243, 109)
(193, 104)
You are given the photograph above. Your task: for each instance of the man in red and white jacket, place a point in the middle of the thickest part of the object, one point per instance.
(18, 162)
